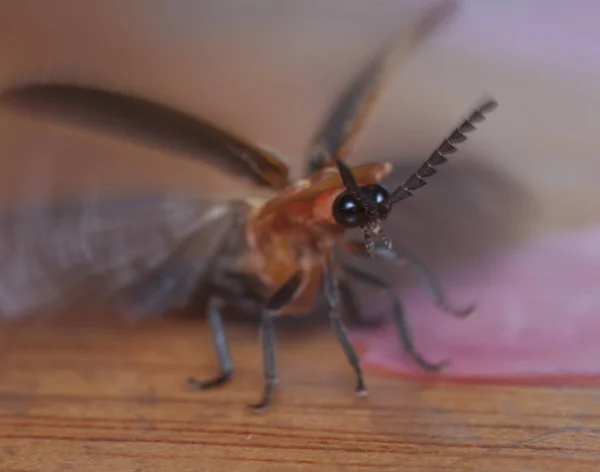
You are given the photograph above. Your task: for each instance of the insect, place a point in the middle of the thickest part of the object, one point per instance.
(273, 255)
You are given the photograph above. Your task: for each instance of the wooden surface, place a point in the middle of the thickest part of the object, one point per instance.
(114, 399)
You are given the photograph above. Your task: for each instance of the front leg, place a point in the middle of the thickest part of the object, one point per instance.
(332, 294)
(431, 284)
(402, 327)
(424, 275)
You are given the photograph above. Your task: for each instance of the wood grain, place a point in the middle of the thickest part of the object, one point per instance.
(102, 398)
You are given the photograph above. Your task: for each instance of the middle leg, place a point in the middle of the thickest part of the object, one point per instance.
(282, 297)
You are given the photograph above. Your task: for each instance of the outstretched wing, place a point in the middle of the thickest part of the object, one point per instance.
(353, 108)
(146, 253)
(150, 123)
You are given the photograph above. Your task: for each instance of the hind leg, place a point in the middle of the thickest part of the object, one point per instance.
(221, 347)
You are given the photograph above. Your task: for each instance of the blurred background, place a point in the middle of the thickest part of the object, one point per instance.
(270, 70)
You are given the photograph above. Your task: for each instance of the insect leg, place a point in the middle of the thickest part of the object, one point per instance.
(398, 316)
(230, 240)
(428, 280)
(332, 293)
(222, 350)
(267, 331)
(423, 274)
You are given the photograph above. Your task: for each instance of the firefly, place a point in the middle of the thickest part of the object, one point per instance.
(276, 255)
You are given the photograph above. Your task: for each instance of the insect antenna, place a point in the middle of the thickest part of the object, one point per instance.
(350, 183)
(458, 135)
(366, 207)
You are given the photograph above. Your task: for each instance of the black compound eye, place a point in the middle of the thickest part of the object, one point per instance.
(378, 194)
(347, 212)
